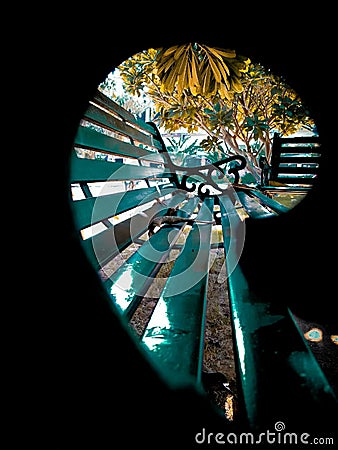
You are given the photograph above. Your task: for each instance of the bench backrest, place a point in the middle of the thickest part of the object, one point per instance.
(295, 160)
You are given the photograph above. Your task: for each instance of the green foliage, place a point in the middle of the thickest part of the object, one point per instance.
(212, 144)
(179, 147)
(108, 86)
(220, 116)
(248, 178)
(289, 113)
(181, 144)
(138, 72)
(256, 126)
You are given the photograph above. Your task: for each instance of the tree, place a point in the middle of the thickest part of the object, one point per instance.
(132, 103)
(238, 104)
(180, 148)
(265, 106)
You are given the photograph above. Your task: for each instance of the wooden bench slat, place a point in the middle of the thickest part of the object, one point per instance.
(297, 149)
(253, 207)
(100, 117)
(295, 180)
(131, 281)
(286, 189)
(297, 170)
(103, 247)
(275, 364)
(270, 202)
(300, 140)
(95, 209)
(94, 140)
(107, 103)
(84, 169)
(175, 332)
(299, 159)
(294, 150)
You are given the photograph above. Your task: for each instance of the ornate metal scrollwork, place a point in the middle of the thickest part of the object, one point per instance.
(196, 174)
(181, 175)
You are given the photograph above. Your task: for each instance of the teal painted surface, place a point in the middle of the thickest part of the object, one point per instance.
(239, 293)
(273, 204)
(107, 103)
(82, 169)
(253, 207)
(94, 140)
(96, 115)
(103, 247)
(175, 332)
(275, 363)
(131, 281)
(95, 209)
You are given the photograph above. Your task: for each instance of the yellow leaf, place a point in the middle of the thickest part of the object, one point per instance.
(170, 50)
(179, 51)
(215, 70)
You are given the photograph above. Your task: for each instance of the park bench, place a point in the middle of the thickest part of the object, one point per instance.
(294, 166)
(127, 193)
